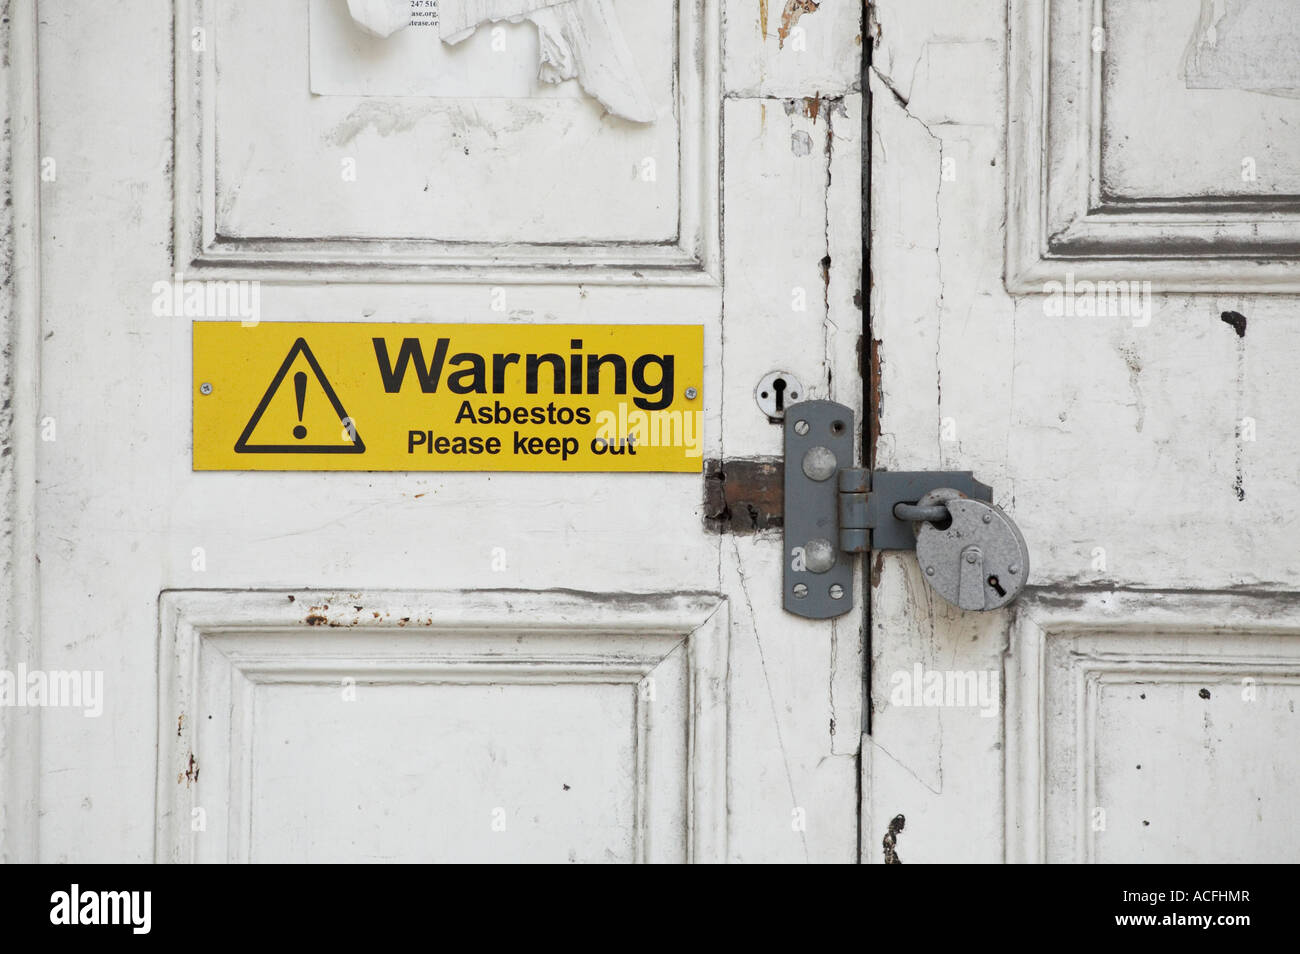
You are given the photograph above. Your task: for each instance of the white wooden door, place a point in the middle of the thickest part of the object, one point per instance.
(1084, 241)
(422, 666)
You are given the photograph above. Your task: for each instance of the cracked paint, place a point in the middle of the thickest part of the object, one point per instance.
(1134, 363)
(190, 775)
(1237, 321)
(890, 841)
(794, 10)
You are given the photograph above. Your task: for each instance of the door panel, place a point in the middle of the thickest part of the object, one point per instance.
(596, 728)
(1135, 720)
(509, 623)
(409, 188)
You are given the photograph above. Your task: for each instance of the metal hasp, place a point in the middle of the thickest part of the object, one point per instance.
(818, 449)
(834, 510)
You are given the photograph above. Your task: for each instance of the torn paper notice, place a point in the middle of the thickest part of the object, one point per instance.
(381, 18)
(581, 40)
(1246, 44)
(346, 61)
(459, 18)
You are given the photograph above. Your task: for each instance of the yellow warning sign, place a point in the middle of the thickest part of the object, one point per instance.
(371, 396)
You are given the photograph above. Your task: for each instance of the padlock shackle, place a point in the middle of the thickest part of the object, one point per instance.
(914, 513)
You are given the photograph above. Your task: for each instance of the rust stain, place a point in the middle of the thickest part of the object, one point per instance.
(191, 773)
(877, 567)
(794, 9)
(744, 495)
(812, 107)
(314, 619)
(180, 722)
(762, 17)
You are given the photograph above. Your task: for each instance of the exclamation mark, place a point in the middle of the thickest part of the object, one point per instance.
(300, 392)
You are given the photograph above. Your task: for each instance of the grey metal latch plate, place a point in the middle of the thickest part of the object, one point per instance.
(834, 510)
(813, 461)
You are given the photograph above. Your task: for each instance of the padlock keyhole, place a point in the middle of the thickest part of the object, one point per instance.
(993, 582)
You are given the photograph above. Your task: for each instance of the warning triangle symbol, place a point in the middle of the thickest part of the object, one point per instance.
(286, 430)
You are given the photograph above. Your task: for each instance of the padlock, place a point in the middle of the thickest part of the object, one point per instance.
(979, 561)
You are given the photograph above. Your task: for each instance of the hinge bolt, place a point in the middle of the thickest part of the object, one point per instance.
(819, 555)
(819, 463)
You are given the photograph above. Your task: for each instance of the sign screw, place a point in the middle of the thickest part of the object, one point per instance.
(205, 388)
(691, 393)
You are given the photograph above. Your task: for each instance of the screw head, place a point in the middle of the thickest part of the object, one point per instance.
(988, 518)
(837, 591)
(970, 558)
(800, 590)
(929, 571)
(801, 428)
(691, 393)
(205, 388)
